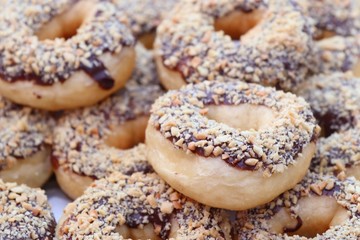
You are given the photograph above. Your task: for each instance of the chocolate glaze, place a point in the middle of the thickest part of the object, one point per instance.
(145, 168)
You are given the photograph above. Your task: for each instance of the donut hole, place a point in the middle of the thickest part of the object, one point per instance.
(316, 216)
(356, 69)
(146, 232)
(147, 39)
(242, 117)
(128, 134)
(324, 35)
(238, 23)
(66, 24)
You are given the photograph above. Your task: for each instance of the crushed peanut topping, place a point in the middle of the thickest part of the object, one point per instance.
(178, 116)
(345, 192)
(25, 213)
(134, 202)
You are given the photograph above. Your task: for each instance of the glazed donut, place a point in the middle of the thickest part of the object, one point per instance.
(86, 140)
(316, 208)
(342, 20)
(338, 54)
(208, 142)
(144, 16)
(140, 206)
(46, 62)
(26, 139)
(335, 101)
(338, 154)
(25, 213)
(275, 51)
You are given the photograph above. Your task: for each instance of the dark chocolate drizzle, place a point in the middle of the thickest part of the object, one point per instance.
(297, 226)
(99, 73)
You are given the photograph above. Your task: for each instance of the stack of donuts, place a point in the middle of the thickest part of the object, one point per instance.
(189, 119)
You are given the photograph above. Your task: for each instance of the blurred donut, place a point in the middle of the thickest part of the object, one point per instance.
(275, 48)
(143, 17)
(317, 208)
(25, 213)
(140, 206)
(26, 138)
(334, 99)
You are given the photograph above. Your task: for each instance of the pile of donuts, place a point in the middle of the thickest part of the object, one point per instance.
(189, 119)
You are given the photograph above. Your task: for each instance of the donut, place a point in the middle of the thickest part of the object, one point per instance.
(139, 206)
(87, 141)
(209, 143)
(339, 154)
(26, 139)
(144, 16)
(338, 54)
(275, 47)
(334, 17)
(25, 213)
(317, 208)
(334, 99)
(63, 54)
(337, 27)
